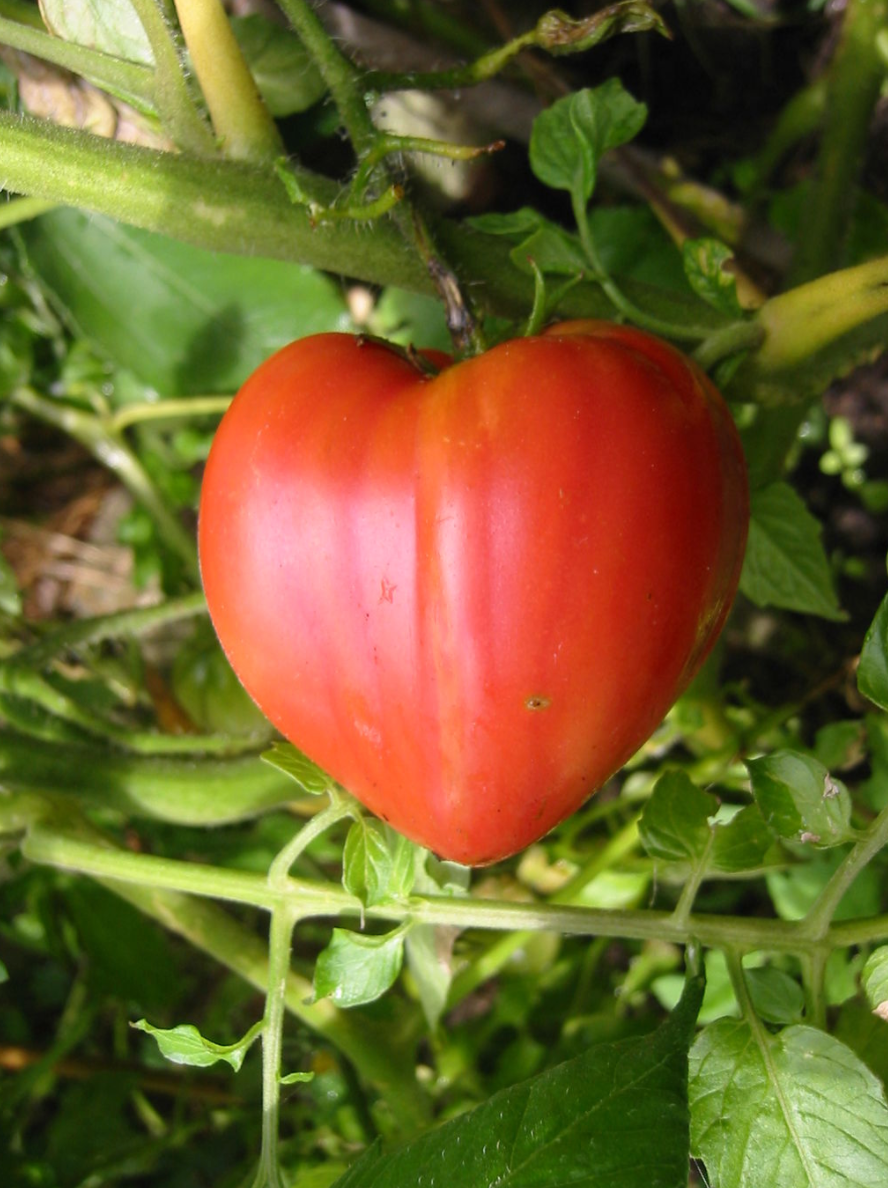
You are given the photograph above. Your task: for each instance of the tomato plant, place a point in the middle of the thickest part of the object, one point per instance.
(472, 597)
(467, 590)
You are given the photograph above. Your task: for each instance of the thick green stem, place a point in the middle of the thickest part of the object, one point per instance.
(52, 843)
(283, 921)
(83, 632)
(818, 920)
(342, 77)
(855, 79)
(172, 94)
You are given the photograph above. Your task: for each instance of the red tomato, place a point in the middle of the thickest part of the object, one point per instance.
(471, 597)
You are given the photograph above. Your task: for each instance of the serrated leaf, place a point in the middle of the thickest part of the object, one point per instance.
(615, 1115)
(675, 822)
(799, 799)
(874, 979)
(798, 1109)
(785, 564)
(355, 969)
(290, 760)
(704, 264)
(112, 26)
(741, 843)
(378, 863)
(872, 674)
(569, 138)
(185, 1045)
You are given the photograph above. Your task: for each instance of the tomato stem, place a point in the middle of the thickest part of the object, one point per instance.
(243, 126)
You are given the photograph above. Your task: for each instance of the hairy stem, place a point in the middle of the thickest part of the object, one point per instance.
(245, 130)
(53, 843)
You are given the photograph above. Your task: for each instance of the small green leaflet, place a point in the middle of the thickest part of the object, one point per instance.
(786, 565)
(704, 264)
(185, 1045)
(872, 675)
(570, 137)
(356, 969)
(777, 997)
(675, 822)
(378, 863)
(799, 799)
(4, 973)
(297, 1078)
(875, 981)
(809, 1109)
(430, 961)
(677, 826)
(288, 759)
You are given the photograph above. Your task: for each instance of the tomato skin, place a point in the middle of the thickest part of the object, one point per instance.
(470, 598)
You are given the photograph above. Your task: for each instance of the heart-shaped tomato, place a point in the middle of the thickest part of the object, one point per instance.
(471, 597)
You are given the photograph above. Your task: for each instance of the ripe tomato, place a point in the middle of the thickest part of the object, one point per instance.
(471, 597)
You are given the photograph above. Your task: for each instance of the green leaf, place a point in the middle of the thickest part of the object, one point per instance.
(378, 863)
(675, 822)
(282, 68)
(411, 319)
(108, 25)
(288, 759)
(430, 961)
(797, 1109)
(875, 980)
(355, 969)
(205, 320)
(872, 674)
(126, 956)
(799, 799)
(4, 973)
(616, 1115)
(776, 996)
(297, 1078)
(785, 564)
(185, 1045)
(704, 265)
(552, 249)
(795, 890)
(741, 843)
(570, 137)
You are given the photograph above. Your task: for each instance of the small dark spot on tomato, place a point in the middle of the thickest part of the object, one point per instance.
(538, 702)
